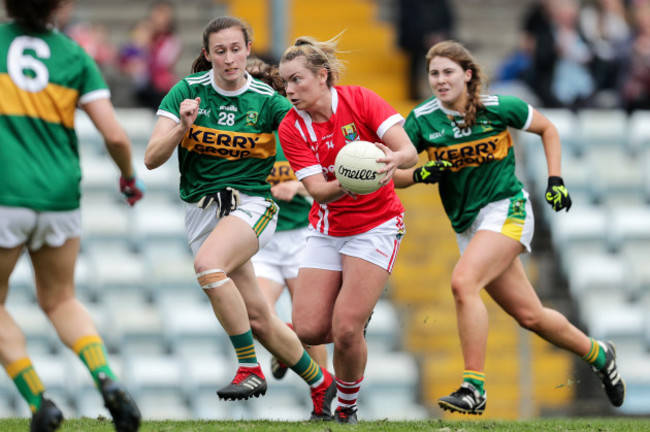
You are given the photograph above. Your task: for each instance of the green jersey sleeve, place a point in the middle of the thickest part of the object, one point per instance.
(172, 101)
(412, 128)
(515, 112)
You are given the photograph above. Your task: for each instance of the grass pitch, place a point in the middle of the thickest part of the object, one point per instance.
(616, 424)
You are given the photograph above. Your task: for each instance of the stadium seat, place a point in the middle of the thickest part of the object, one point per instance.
(391, 372)
(593, 273)
(99, 174)
(138, 122)
(565, 121)
(21, 282)
(6, 403)
(629, 225)
(206, 406)
(608, 316)
(382, 334)
(586, 225)
(117, 267)
(191, 326)
(137, 329)
(105, 218)
(159, 218)
(638, 132)
(171, 267)
(147, 373)
(400, 406)
(163, 179)
(633, 367)
(39, 333)
(602, 128)
(618, 178)
(163, 404)
(636, 255)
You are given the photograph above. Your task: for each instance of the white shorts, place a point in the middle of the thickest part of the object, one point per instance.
(378, 246)
(280, 259)
(261, 214)
(34, 229)
(512, 217)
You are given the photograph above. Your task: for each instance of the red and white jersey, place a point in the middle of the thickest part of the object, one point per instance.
(311, 148)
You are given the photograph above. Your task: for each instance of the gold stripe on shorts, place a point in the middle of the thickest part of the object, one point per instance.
(266, 218)
(513, 226)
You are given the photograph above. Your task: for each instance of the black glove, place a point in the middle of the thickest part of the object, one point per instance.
(557, 195)
(430, 172)
(226, 200)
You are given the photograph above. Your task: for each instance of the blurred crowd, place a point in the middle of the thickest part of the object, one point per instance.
(570, 53)
(148, 58)
(584, 54)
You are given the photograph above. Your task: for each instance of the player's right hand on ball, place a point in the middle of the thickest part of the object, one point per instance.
(430, 172)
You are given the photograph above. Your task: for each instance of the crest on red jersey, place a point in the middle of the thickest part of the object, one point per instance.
(350, 132)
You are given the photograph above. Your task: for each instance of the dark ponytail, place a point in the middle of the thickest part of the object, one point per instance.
(34, 15)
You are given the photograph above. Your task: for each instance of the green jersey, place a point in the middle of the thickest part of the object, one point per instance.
(42, 79)
(293, 214)
(231, 142)
(482, 156)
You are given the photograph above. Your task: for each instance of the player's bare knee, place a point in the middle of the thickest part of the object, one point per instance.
(346, 335)
(309, 334)
(461, 286)
(49, 304)
(529, 320)
(212, 278)
(260, 327)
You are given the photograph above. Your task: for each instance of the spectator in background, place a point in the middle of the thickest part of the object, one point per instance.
(166, 48)
(635, 91)
(607, 31)
(560, 71)
(134, 63)
(573, 84)
(92, 36)
(422, 23)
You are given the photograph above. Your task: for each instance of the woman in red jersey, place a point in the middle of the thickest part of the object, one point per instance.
(353, 240)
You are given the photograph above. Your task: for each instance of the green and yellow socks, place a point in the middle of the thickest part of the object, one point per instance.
(308, 370)
(475, 378)
(245, 349)
(306, 367)
(92, 352)
(90, 349)
(596, 355)
(27, 381)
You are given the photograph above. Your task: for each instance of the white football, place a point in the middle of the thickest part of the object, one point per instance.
(356, 167)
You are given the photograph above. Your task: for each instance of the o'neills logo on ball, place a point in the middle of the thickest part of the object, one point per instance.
(361, 174)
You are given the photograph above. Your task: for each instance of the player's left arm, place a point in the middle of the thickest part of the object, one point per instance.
(543, 127)
(557, 195)
(400, 152)
(287, 190)
(322, 190)
(118, 145)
